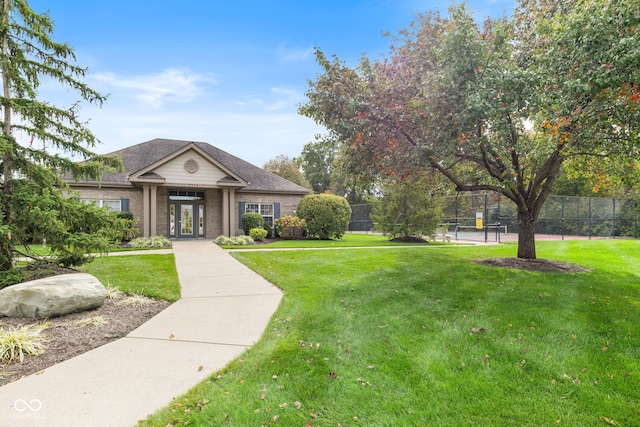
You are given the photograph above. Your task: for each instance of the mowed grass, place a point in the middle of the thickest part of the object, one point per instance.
(425, 337)
(151, 275)
(348, 240)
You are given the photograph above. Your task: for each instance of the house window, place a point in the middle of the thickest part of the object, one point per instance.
(111, 205)
(186, 195)
(264, 209)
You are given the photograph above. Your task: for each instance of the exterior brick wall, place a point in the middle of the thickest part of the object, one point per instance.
(288, 204)
(213, 206)
(213, 213)
(133, 194)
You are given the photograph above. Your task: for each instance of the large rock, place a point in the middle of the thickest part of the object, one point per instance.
(52, 296)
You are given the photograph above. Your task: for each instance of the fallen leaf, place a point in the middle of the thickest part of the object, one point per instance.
(298, 404)
(171, 336)
(332, 374)
(609, 421)
(200, 368)
(478, 330)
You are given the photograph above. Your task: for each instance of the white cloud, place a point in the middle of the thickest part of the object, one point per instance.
(154, 90)
(292, 54)
(277, 99)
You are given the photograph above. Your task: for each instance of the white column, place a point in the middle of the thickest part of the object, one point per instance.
(225, 212)
(233, 218)
(153, 210)
(145, 210)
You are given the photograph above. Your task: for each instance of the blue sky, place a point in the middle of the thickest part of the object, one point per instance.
(231, 73)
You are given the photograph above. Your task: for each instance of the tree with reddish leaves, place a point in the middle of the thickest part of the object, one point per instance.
(494, 108)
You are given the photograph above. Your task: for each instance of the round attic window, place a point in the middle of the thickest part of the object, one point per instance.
(191, 166)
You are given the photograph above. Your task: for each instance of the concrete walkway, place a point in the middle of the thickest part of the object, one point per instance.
(224, 309)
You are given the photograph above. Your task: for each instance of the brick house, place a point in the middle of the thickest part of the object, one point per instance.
(190, 190)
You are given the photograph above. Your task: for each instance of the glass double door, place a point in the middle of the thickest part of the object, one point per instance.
(186, 220)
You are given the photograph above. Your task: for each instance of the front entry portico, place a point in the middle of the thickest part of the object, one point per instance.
(187, 219)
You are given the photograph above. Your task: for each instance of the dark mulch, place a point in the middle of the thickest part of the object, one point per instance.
(410, 239)
(541, 265)
(64, 339)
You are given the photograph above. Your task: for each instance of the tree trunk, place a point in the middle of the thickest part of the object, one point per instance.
(6, 246)
(526, 234)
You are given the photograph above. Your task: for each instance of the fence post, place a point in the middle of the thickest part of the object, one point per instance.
(589, 218)
(613, 225)
(499, 221)
(562, 214)
(486, 218)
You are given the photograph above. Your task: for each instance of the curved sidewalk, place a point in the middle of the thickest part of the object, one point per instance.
(223, 310)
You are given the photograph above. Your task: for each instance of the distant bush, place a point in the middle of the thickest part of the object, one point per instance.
(155, 242)
(290, 227)
(327, 215)
(258, 234)
(233, 241)
(251, 220)
(269, 229)
(123, 215)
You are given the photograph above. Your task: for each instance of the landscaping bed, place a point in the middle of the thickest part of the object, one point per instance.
(66, 339)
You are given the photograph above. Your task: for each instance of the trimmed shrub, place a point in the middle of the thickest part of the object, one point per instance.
(290, 227)
(233, 241)
(155, 242)
(258, 234)
(327, 215)
(251, 220)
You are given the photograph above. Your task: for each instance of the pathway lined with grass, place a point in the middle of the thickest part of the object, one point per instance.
(412, 337)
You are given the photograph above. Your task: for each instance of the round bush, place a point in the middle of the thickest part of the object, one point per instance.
(258, 234)
(251, 220)
(326, 215)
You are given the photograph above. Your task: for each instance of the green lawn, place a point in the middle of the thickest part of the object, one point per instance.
(150, 275)
(348, 240)
(425, 337)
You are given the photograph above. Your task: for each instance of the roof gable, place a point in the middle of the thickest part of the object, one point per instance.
(187, 166)
(146, 161)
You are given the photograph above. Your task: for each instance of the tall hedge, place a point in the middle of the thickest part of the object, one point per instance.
(327, 215)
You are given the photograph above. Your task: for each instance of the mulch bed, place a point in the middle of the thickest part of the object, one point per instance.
(64, 339)
(541, 265)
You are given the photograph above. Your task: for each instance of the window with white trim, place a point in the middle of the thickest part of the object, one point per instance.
(111, 205)
(264, 209)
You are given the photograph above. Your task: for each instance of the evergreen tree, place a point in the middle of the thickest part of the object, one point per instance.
(29, 56)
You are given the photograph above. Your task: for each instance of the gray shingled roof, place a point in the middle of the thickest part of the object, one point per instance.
(140, 156)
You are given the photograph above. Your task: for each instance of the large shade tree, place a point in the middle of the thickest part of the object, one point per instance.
(287, 168)
(28, 58)
(497, 107)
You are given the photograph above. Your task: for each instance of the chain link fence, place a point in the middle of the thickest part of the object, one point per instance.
(488, 216)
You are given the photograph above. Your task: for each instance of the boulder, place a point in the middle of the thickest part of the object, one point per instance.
(52, 296)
